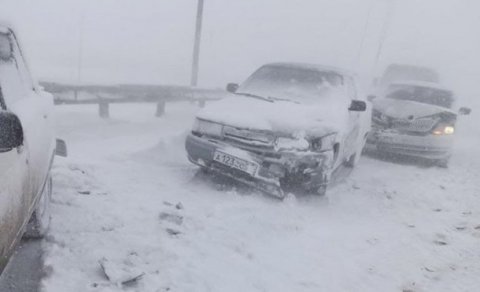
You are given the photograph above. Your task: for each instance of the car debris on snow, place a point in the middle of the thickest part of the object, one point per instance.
(173, 231)
(120, 273)
(172, 218)
(178, 206)
(440, 242)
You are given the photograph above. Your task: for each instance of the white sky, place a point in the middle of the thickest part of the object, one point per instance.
(150, 41)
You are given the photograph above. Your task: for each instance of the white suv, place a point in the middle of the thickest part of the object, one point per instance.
(27, 148)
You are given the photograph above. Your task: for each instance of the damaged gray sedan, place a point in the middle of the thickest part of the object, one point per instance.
(283, 130)
(415, 118)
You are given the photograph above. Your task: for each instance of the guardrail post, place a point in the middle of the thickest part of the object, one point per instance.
(103, 109)
(160, 109)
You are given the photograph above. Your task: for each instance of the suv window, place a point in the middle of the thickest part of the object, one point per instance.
(14, 85)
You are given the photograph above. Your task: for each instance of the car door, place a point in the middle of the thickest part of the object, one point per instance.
(35, 110)
(15, 188)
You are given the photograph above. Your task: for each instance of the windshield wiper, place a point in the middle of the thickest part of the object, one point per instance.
(283, 99)
(254, 96)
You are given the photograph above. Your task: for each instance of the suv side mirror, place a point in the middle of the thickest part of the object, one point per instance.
(11, 132)
(358, 106)
(464, 111)
(232, 87)
(371, 97)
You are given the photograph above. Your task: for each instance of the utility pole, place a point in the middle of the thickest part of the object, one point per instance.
(364, 35)
(80, 49)
(196, 46)
(386, 25)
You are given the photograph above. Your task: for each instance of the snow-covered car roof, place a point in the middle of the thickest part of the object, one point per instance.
(316, 67)
(427, 84)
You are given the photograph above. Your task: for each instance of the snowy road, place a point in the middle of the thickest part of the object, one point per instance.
(24, 272)
(386, 227)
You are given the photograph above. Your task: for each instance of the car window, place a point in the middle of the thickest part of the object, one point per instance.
(22, 66)
(420, 94)
(397, 73)
(13, 85)
(296, 84)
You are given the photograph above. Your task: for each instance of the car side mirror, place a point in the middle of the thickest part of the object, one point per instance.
(358, 106)
(371, 97)
(464, 111)
(11, 132)
(61, 148)
(232, 87)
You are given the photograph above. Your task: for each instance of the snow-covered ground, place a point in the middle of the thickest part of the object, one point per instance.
(385, 227)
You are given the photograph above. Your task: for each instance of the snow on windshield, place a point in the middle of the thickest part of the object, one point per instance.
(296, 84)
(426, 95)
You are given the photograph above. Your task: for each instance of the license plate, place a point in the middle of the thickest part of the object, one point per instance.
(235, 162)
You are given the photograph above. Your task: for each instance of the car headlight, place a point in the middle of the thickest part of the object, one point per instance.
(443, 129)
(323, 143)
(283, 143)
(208, 128)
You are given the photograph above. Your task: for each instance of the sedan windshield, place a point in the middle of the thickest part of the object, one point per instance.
(433, 96)
(295, 84)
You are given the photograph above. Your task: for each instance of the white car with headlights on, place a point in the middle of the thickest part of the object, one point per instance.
(285, 129)
(415, 118)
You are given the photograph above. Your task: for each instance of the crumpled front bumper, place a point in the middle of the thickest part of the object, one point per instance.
(422, 146)
(309, 169)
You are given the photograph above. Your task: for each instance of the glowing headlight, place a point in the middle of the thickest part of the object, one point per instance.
(291, 144)
(449, 130)
(444, 129)
(207, 128)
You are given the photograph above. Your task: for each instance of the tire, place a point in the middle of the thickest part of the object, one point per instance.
(321, 191)
(353, 160)
(292, 185)
(442, 163)
(39, 223)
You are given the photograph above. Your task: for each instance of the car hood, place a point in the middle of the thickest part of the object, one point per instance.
(278, 116)
(405, 109)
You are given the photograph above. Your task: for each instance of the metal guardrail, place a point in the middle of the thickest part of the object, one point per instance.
(104, 95)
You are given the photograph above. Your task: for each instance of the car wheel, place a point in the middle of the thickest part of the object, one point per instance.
(353, 160)
(39, 223)
(321, 191)
(443, 163)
